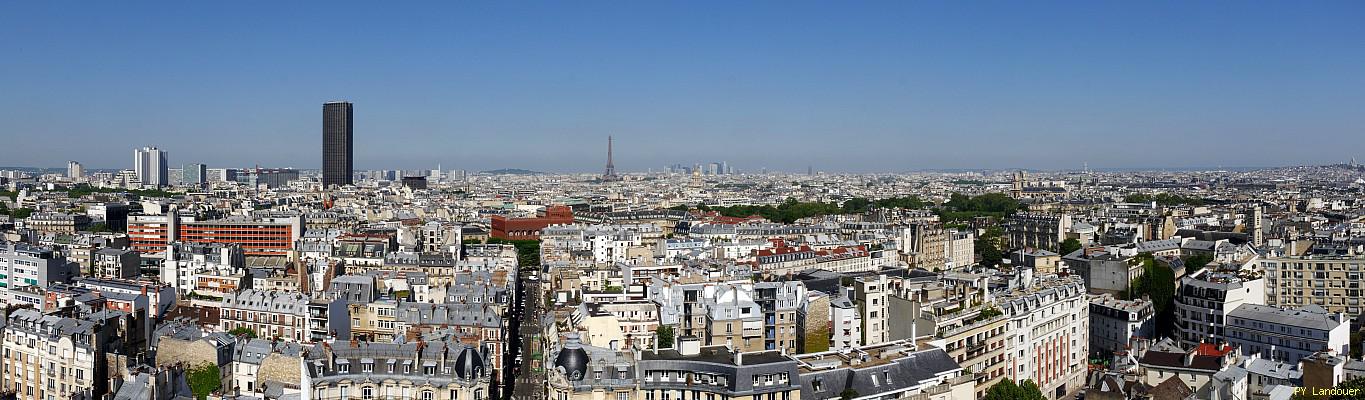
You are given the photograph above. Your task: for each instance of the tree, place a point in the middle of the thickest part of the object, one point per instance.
(856, 205)
(990, 255)
(205, 379)
(99, 227)
(1007, 390)
(1157, 283)
(664, 335)
(20, 213)
(1069, 245)
(242, 331)
(1196, 262)
(1357, 337)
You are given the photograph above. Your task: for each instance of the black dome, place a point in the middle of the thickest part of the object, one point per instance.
(469, 364)
(572, 358)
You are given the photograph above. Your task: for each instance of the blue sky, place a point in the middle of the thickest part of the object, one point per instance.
(866, 86)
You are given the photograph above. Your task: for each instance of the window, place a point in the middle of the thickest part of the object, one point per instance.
(367, 393)
(428, 395)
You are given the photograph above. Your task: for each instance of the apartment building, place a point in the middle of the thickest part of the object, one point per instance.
(846, 326)
(872, 295)
(263, 235)
(270, 314)
(425, 370)
(579, 371)
(694, 371)
(55, 222)
(600, 244)
(618, 324)
(27, 266)
(1050, 320)
(186, 263)
(960, 249)
(1288, 334)
(1330, 281)
(746, 315)
(1037, 231)
(980, 341)
(783, 259)
(49, 357)
(149, 234)
(1114, 323)
(115, 263)
(1206, 297)
(925, 245)
(892, 370)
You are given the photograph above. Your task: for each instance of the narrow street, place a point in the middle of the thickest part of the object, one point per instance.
(527, 383)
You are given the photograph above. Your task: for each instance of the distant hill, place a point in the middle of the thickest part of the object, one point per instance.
(511, 171)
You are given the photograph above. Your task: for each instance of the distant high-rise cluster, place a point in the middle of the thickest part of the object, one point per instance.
(149, 166)
(337, 144)
(712, 168)
(74, 170)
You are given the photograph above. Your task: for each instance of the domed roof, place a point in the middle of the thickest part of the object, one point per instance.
(469, 364)
(572, 358)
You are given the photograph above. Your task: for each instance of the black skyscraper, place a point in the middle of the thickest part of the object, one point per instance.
(337, 148)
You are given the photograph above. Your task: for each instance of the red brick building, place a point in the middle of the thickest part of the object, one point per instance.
(529, 228)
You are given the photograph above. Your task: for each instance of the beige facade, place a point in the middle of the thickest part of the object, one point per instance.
(1331, 282)
(44, 361)
(872, 295)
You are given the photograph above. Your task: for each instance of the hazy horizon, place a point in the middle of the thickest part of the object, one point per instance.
(867, 87)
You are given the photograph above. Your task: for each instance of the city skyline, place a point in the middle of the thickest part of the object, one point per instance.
(855, 88)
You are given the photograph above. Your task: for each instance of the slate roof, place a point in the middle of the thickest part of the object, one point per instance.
(909, 371)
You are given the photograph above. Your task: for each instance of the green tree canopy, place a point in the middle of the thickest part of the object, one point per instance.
(1163, 199)
(1196, 262)
(988, 246)
(242, 331)
(664, 335)
(1007, 390)
(21, 213)
(204, 379)
(528, 251)
(1069, 245)
(1157, 282)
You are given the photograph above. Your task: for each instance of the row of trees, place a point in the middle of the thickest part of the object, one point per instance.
(959, 207)
(859, 205)
(1163, 199)
(1008, 390)
(787, 212)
